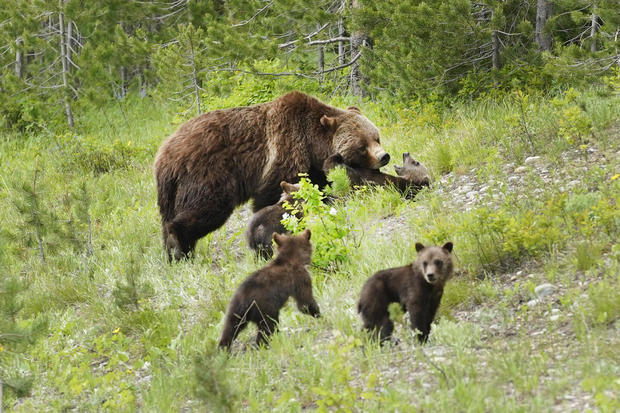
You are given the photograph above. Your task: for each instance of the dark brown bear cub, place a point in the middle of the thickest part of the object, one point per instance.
(417, 287)
(261, 296)
(412, 176)
(267, 221)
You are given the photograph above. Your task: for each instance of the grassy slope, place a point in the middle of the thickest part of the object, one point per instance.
(151, 346)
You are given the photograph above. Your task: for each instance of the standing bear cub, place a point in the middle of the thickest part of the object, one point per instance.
(269, 220)
(417, 287)
(261, 296)
(224, 158)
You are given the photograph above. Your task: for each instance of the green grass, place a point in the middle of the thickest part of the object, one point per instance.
(110, 325)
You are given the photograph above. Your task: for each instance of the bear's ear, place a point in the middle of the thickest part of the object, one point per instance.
(354, 109)
(405, 156)
(288, 188)
(306, 234)
(418, 247)
(398, 169)
(277, 238)
(328, 122)
(447, 246)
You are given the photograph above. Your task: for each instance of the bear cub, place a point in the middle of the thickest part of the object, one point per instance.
(410, 179)
(417, 287)
(267, 221)
(261, 296)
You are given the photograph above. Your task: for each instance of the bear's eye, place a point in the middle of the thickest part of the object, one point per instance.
(425, 264)
(438, 263)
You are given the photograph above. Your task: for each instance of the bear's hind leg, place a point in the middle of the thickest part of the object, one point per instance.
(233, 326)
(266, 327)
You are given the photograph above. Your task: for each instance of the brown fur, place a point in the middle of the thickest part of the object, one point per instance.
(412, 176)
(223, 158)
(265, 222)
(261, 296)
(417, 287)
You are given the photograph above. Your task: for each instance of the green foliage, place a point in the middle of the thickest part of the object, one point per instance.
(340, 184)
(329, 225)
(212, 380)
(89, 155)
(130, 291)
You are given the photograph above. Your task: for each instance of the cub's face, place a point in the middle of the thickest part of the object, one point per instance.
(356, 139)
(413, 171)
(435, 263)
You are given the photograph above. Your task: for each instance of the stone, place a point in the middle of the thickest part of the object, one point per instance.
(544, 290)
(521, 169)
(532, 160)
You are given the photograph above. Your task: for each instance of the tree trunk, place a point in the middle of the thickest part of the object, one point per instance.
(593, 24)
(19, 58)
(320, 57)
(194, 75)
(341, 55)
(543, 12)
(496, 50)
(68, 44)
(357, 38)
(63, 59)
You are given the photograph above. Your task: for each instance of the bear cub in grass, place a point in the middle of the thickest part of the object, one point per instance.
(410, 179)
(267, 221)
(261, 296)
(417, 287)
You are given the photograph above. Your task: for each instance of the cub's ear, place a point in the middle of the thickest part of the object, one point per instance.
(447, 246)
(418, 247)
(406, 156)
(329, 122)
(278, 238)
(288, 188)
(354, 109)
(306, 234)
(398, 169)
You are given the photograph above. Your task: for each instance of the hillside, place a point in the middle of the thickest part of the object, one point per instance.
(92, 317)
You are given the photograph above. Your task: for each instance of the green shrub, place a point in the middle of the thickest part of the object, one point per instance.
(330, 226)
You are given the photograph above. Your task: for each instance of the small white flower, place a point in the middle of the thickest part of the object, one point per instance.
(286, 215)
(333, 211)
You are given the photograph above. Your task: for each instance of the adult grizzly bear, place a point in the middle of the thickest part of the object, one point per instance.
(261, 296)
(417, 287)
(223, 158)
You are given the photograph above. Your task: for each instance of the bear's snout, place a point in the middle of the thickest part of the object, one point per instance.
(384, 159)
(430, 277)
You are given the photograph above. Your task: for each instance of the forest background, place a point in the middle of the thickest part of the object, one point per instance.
(514, 105)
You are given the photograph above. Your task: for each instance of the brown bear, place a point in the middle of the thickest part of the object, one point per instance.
(261, 296)
(412, 176)
(417, 287)
(223, 158)
(267, 221)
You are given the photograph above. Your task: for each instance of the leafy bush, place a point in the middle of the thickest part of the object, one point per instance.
(329, 225)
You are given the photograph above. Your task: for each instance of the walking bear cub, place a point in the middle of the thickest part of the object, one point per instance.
(267, 221)
(261, 296)
(417, 287)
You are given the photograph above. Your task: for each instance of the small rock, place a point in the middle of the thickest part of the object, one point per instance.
(554, 311)
(544, 290)
(532, 303)
(555, 317)
(521, 169)
(471, 194)
(532, 160)
(513, 178)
